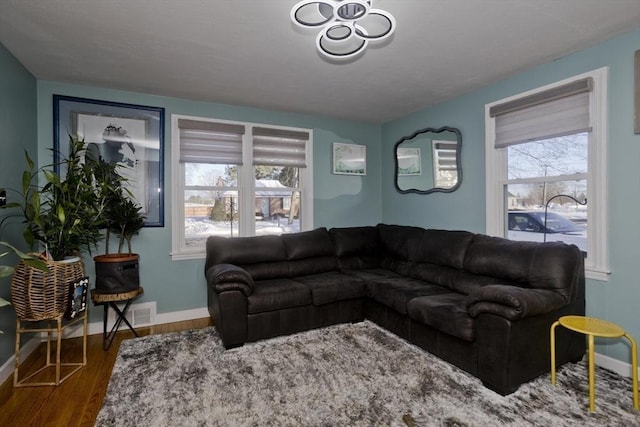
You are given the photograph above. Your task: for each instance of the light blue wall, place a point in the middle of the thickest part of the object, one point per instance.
(617, 300)
(179, 285)
(17, 133)
(350, 200)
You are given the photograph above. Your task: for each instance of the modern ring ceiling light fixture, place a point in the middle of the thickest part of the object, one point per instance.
(347, 25)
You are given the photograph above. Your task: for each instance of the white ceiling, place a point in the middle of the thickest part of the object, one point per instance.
(247, 52)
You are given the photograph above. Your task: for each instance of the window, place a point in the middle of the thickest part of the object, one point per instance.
(545, 149)
(237, 179)
(445, 167)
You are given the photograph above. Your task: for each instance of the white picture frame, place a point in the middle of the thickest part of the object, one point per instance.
(349, 159)
(409, 162)
(131, 148)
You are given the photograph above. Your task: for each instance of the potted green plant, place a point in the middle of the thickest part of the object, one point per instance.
(64, 214)
(118, 272)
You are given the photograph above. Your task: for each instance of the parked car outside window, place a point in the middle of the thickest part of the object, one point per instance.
(530, 226)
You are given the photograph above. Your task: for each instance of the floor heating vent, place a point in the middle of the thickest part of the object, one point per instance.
(138, 315)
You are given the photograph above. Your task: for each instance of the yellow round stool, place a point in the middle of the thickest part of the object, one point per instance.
(595, 328)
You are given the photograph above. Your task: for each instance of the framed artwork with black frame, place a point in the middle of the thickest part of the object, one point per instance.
(130, 135)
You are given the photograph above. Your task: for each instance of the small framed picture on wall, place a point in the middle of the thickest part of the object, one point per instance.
(349, 159)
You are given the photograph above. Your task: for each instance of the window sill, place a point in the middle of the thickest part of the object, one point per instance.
(598, 274)
(184, 256)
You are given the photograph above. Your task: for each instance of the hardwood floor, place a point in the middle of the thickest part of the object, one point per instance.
(77, 401)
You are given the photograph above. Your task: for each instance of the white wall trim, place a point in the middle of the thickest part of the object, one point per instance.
(597, 261)
(245, 185)
(615, 365)
(160, 319)
(6, 370)
(179, 316)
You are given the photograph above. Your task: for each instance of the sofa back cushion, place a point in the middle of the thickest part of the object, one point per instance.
(356, 247)
(442, 247)
(399, 241)
(271, 257)
(308, 244)
(263, 257)
(244, 250)
(309, 252)
(552, 265)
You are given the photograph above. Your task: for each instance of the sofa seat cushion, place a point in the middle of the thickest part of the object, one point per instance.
(395, 293)
(277, 294)
(445, 312)
(332, 286)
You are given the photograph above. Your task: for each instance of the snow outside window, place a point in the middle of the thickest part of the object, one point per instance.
(237, 179)
(543, 146)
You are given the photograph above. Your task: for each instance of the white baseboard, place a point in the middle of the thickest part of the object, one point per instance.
(615, 365)
(179, 316)
(159, 319)
(6, 370)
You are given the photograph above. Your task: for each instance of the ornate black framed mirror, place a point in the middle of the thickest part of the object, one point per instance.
(428, 161)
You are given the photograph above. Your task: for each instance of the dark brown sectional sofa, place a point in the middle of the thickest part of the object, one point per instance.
(482, 303)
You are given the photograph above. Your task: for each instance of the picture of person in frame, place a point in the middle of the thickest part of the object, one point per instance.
(117, 147)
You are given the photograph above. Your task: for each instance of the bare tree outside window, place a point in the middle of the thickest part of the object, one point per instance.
(540, 170)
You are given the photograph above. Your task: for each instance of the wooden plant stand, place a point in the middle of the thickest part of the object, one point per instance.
(53, 326)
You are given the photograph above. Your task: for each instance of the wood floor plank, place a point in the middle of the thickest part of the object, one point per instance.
(77, 401)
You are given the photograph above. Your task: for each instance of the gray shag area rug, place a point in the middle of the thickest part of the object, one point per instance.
(351, 374)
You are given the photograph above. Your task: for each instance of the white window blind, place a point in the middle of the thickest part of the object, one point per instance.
(280, 147)
(210, 142)
(560, 111)
(445, 155)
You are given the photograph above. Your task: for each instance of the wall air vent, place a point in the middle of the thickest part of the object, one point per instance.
(138, 315)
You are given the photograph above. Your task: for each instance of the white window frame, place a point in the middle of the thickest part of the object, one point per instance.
(245, 186)
(597, 261)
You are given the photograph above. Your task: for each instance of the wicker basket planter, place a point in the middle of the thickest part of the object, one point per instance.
(39, 295)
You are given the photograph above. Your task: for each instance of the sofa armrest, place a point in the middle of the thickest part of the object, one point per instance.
(229, 277)
(513, 302)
